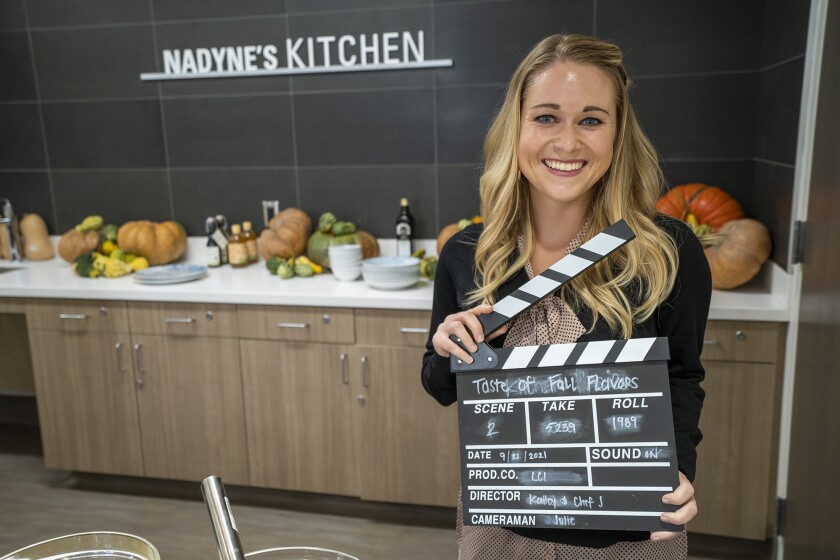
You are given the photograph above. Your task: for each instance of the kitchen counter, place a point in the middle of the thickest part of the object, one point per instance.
(765, 298)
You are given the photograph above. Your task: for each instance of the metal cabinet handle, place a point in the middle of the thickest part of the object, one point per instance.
(120, 363)
(345, 377)
(283, 325)
(138, 365)
(710, 341)
(741, 335)
(365, 373)
(79, 316)
(418, 330)
(179, 320)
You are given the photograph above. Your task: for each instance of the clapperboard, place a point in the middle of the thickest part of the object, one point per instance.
(576, 436)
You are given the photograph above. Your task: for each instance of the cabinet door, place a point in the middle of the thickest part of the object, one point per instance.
(408, 443)
(735, 458)
(191, 408)
(299, 416)
(86, 402)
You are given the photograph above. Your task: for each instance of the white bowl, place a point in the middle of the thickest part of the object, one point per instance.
(346, 273)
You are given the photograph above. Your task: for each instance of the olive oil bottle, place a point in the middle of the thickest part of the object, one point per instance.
(250, 241)
(237, 249)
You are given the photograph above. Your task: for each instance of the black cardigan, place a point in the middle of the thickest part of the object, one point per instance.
(681, 317)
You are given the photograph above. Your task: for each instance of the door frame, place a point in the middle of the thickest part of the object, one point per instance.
(801, 191)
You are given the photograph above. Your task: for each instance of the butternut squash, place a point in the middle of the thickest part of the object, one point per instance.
(36, 240)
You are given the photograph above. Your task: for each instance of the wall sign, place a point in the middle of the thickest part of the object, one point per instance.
(303, 55)
(576, 436)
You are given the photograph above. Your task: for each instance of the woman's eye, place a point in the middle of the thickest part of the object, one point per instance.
(545, 119)
(590, 121)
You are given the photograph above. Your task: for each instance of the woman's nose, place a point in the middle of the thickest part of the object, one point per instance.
(566, 139)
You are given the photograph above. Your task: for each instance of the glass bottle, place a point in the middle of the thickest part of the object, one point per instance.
(405, 230)
(237, 250)
(222, 236)
(214, 254)
(250, 241)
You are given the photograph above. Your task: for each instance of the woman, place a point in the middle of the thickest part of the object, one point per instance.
(564, 158)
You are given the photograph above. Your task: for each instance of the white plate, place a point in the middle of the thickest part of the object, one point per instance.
(170, 274)
(401, 285)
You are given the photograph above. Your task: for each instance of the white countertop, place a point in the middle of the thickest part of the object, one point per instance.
(763, 299)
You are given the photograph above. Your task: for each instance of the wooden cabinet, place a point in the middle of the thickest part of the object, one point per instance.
(735, 483)
(408, 442)
(330, 401)
(299, 416)
(342, 419)
(189, 391)
(85, 387)
(138, 404)
(16, 376)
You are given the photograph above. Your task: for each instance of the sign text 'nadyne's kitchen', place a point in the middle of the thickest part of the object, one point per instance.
(320, 54)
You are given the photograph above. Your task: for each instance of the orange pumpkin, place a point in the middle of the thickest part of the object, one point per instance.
(451, 229)
(445, 234)
(286, 234)
(159, 242)
(710, 205)
(738, 258)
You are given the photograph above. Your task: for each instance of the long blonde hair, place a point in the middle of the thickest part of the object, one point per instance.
(624, 288)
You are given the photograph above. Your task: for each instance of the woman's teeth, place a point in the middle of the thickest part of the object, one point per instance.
(561, 166)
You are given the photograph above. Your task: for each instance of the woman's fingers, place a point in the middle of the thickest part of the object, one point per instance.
(466, 327)
(499, 332)
(684, 496)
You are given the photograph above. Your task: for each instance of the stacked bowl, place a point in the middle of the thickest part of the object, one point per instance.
(345, 261)
(391, 273)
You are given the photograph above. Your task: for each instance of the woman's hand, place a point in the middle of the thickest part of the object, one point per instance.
(461, 325)
(683, 495)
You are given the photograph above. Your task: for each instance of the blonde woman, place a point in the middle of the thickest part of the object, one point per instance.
(564, 158)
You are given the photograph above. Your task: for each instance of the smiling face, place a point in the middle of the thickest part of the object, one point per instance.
(566, 135)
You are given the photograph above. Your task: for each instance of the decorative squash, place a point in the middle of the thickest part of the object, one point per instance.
(36, 240)
(159, 242)
(738, 258)
(710, 205)
(317, 249)
(452, 229)
(74, 244)
(286, 235)
(445, 234)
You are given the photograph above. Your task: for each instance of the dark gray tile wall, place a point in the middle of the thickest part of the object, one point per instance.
(717, 88)
(785, 30)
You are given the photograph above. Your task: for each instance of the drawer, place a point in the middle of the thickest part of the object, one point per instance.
(388, 327)
(744, 341)
(299, 324)
(184, 319)
(77, 315)
(12, 305)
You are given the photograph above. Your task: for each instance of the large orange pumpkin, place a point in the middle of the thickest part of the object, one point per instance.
(738, 258)
(159, 242)
(710, 205)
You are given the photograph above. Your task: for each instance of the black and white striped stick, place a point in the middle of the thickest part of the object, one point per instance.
(561, 272)
(539, 287)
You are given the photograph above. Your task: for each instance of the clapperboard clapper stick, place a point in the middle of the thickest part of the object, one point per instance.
(573, 435)
(543, 285)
